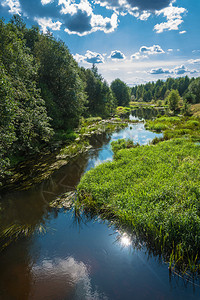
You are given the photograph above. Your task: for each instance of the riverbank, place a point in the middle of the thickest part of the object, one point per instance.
(154, 190)
(34, 170)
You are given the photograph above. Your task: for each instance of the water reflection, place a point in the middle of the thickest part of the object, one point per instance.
(63, 279)
(146, 113)
(125, 240)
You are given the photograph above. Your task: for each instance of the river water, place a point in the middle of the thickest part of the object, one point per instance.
(86, 260)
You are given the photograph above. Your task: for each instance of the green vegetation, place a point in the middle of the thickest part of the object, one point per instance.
(66, 147)
(154, 190)
(159, 90)
(195, 110)
(123, 144)
(44, 93)
(173, 127)
(173, 100)
(121, 92)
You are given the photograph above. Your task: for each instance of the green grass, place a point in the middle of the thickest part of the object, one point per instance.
(154, 190)
(175, 127)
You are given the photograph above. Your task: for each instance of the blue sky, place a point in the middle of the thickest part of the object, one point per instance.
(134, 40)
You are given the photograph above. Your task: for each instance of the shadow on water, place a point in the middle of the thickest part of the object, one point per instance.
(84, 258)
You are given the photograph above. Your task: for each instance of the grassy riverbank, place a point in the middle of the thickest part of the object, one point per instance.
(175, 127)
(66, 146)
(155, 191)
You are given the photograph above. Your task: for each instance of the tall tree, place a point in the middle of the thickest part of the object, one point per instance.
(121, 92)
(61, 85)
(173, 100)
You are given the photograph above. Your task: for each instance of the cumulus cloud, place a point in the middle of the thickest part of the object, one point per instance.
(143, 9)
(14, 6)
(117, 55)
(80, 19)
(47, 23)
(132, 6)
(160, 71)
(89, 57)
(174, 18)
(144, 52)
(178, 70)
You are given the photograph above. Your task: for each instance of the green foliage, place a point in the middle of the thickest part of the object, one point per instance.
(153, 189)
(91, 120)
(121, 92)
(24, 125)
(65, 136)
(122, 144)
(41, 86)
(194, 91)
(61, 85)
(186, 109)
(99, 95)
(174, 127)
(161, 89)
(173, 100)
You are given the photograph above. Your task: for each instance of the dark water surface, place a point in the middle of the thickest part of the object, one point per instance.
(76, 261)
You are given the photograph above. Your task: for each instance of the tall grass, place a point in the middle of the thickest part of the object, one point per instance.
(174, 127)
(154, 190)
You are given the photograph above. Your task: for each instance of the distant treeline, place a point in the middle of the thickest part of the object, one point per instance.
(188, 88)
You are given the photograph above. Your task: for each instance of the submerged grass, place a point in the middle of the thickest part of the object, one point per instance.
(156, 191)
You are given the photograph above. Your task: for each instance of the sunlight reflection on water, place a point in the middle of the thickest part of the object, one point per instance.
(125, 240)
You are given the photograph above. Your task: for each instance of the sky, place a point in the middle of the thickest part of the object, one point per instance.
(134, 40)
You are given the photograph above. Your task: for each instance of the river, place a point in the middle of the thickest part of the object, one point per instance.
(66, 258)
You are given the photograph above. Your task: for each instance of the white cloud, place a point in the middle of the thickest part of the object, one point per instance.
(144, 52)
(144, 16)
(178, 70)
(141, 9)
(47, 23)
(44, 2)
(194, 61)
(89, 57)
(82, 21)
(14, 6)
(159, 71)
(117, 55)
(174, 18)
(182, 32)
(79, 58)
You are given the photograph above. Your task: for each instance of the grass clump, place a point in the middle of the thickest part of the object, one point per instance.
(175, 127)
(155, 190)
(65, 136)
(123, 144)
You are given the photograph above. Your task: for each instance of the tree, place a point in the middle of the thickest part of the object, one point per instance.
(100, 98)
(173, 100)
(194, 90)
(59, 78)
(121, 92)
